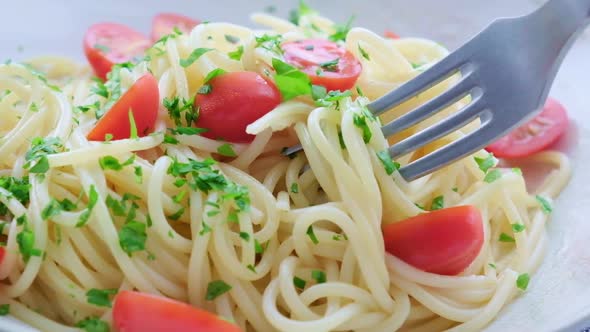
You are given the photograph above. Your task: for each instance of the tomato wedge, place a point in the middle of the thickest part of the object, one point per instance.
(235, 100)
(443, 241)
(164, 24)
(390, 34)
(2, 252)
(139, 312)
(106, 44)
(142, 100)
(534, 136)
(325, 62)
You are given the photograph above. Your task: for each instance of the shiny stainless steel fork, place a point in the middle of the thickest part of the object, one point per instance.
(507, 69)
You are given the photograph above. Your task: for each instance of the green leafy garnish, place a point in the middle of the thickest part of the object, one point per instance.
(232, 39)
(486, 163)
(545, 204)
(258, 247)
(245, 236)
(26, 244)
(437, 203)
(237, 54)
(18, 189)
(506, 238)
(290, 81)
(492, 176)
(179, 109)
(93, 324)
(112, 163)
(4, 309)
(188, 131)
(361, 122)
(302, 10)
(132, 126)
(312, 235)
(100, 297)
(298, 282)
(364, 53)
(215, 289)
(36, 157)
(132, 237)
(294, 187)
(330, 65)
(341, 31)
(194, 56)
(226, 150)
(270, 43)
(517, 228)
(318, 276)
(388, 163)
(522, 282)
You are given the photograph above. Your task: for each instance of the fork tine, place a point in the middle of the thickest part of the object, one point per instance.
(452, 152)
(464, 87)
(437, 73)
(440, 129)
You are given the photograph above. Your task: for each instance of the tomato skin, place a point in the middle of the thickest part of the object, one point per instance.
(142, 99)
(116, 43)
(443, 241)
(390, 34)
(534, 136)
(2, 252)
(164, 24)
(236, 100)
(140, 312)
(308, 55)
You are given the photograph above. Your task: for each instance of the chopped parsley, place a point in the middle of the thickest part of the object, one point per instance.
(26, 244)
(204, 228)
(437, 203)
(270, 43)
(492, 265)
(93, 324)
(522, 282)
(188, 131)
(506, 238)
(318, 92)
(290, 81)
(132, 237)
(331, 98)
(251, 268)
(18, 189)
(545, 204)
(112, 163)
(179, 109)
(361, 122)
(214, 73)
(36, 156)
(245, 236)
(194, 56)
(92, 200)
(341, 31)
(312, 235)
(215, 289)
(302, 10)
(226, 150)
(294, 188)
(364, 53)
(258, 247)
(517, 171)
(517, 228)
(389, 165)
(4, 309)
(138, 171)
(232, 39)
(298, 282)
(205, 89)
(492, 176)
(132, 126)
(100, 297)
(237, 54)
(330, 65)
(318, 276)
(486, 163)
(53, 208)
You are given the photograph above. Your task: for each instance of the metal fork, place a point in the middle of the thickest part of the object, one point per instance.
(507, 69)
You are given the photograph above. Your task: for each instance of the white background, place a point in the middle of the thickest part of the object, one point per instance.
(558, 293)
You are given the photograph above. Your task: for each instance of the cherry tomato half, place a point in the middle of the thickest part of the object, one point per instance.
(235, 100)
(106, 44)
(443, 241)
(325, 62)
(139, 312)
(390, 34)
(534, 136)
(142, 99)
(164, 24)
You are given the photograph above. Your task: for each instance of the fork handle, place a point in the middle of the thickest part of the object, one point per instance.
(566, 16)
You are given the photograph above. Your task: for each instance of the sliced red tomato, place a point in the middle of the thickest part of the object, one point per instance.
(534, 136)
(235, 100)
(443, 241)
(325, 62)
(164, 24)
(142, 100)
(106, 44)
(390, 34)
(139, 312)
(2, 251)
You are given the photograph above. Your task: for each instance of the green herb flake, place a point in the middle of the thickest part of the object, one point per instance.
(232, 39)
(492, 176)
(93, 324)
(486, 163)
(205, 89)
(251, 268)
(4, 309)
(181, 109)
(216, 288)
(517, 171)
(194, 56)
(110, 162)
(361, 122)
(318, 276)
(100, 297)
(245, 236)
(237, 54)
(545, 204)
(188, 131)
(492, 265)
(26, 244)
(330, 65)
(364, 53)
(258, 247)
(290, 81)
(205, 228)
(522, 282)
(437, 203)
(138, 172)
(294, 187)
(226, 150)
(132, 126)
(517, 228)
(341, 31)
(214, 73)
(132, 237)
(312, 235)
(506, 238)
(298, 282)
(389, 165)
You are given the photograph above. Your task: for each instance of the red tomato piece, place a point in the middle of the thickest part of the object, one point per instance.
(325, 62)
(2, 252)
(443, 241)
(142, 99)
(390, 34)
(534, 136)
(164, 24)
(139, 312)
(106, 44)
(236, 100)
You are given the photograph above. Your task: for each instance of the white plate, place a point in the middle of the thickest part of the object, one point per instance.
(558, 295)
